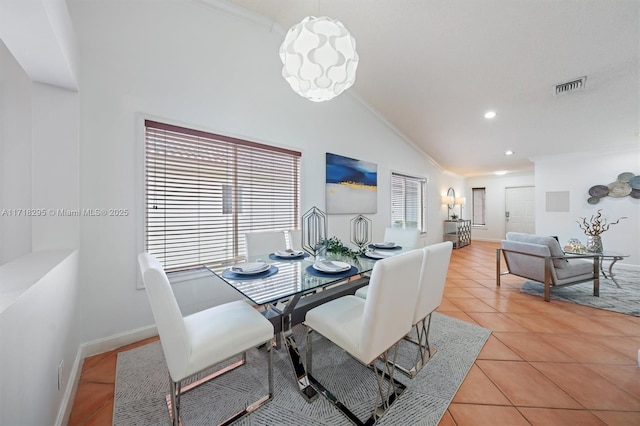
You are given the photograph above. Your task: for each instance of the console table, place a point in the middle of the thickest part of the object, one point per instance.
(458, 232)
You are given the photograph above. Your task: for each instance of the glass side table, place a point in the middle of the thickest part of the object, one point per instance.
(613, 257)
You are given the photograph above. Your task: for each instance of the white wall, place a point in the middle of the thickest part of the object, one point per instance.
(38, 171)
(195, 66)
(576, 174)
(494, 202)
(15, 157)
(54, 168)
(39, 330)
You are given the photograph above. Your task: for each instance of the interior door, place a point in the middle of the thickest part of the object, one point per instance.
(519, 210)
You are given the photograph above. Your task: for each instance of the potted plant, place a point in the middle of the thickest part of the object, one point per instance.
(593, 228)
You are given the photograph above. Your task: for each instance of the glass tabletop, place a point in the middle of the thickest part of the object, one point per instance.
(605, 254)
(293, 276)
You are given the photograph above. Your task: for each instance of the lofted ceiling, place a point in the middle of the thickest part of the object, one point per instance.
(432, 68)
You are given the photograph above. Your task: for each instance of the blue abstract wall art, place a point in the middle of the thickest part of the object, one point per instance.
(351, 185)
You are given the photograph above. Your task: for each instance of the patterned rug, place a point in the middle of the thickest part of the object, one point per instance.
(142, 383)
(625, 300)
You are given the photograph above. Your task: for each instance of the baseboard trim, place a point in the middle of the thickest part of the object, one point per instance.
(92, 348)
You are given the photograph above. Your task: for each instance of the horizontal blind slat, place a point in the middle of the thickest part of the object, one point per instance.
(203, 190)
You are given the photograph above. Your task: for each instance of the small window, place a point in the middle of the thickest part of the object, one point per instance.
(204, 191)
(478, 206)
(408, 202)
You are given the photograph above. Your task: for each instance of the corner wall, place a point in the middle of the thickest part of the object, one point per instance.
(495, 203)
(576, 174)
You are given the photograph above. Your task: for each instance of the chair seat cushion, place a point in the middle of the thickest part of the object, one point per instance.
(575, 269)
(362, 292)
(221, 332)
(340, 321)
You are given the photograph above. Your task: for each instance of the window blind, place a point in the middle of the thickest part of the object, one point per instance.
(478, 216)
(407, 201)
(204, 191)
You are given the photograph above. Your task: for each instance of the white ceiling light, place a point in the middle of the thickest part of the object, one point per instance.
(319, 57)
(489, 114)
(508, 152)
(500, 172)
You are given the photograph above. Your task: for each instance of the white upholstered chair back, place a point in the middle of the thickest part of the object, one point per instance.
(264, 242)
(435, 265)
(389, 306)
(407, 238)
(295, 239)
(166, 312)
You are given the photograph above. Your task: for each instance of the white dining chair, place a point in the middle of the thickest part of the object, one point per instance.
(264, 242)
(370, 329)
(294, 239)
(407, 238)
(433, 275)
(204, 339)
(435, 265)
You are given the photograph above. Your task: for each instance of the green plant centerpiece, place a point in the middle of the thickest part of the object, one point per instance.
(335, 246)
(454, 216)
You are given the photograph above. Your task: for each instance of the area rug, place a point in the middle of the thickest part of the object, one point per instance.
(625, 300)
(142, 383)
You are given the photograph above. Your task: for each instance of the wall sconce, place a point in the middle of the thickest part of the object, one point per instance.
(459, 201)
(449, 200)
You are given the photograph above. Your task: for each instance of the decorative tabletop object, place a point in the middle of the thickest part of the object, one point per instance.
(592, 228)
(574, 246)
(335, 246)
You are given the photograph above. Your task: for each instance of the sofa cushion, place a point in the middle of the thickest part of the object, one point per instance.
(552, 243)
(575, 269)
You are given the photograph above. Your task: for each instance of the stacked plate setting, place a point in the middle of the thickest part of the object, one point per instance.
(331, 266)
(250, 268)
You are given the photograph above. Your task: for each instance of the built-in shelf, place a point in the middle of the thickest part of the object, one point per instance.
(19, 275)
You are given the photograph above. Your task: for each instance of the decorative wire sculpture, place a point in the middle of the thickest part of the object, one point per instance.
(314, 230)
(361, 231)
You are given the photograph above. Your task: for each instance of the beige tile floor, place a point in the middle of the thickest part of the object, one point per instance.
(544, 364)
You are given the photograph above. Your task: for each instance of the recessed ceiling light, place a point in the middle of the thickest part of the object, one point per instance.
(508, 152)
(489, 114)
(500, 172)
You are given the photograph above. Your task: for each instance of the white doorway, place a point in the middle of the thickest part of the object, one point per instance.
(519, 209)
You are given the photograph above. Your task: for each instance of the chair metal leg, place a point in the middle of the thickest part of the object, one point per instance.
(173, 401)
(176, 389)
(389, 389)
(424, 349)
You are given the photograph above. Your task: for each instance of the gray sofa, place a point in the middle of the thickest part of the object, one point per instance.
(539, 258)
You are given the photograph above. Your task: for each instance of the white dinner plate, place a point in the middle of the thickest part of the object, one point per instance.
(250, 268)
(331, 266)
(377, 255)
(285, 254)
(385, 245)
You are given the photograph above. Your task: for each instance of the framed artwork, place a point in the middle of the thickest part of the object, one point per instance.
(351, 185)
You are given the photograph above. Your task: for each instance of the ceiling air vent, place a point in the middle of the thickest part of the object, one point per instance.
(570, 86)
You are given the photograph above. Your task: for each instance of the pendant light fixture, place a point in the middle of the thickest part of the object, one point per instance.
(319, 58)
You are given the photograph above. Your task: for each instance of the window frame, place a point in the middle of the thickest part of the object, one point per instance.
(237, 249)
(421, 210)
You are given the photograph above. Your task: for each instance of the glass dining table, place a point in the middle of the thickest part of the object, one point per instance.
(291, 287)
